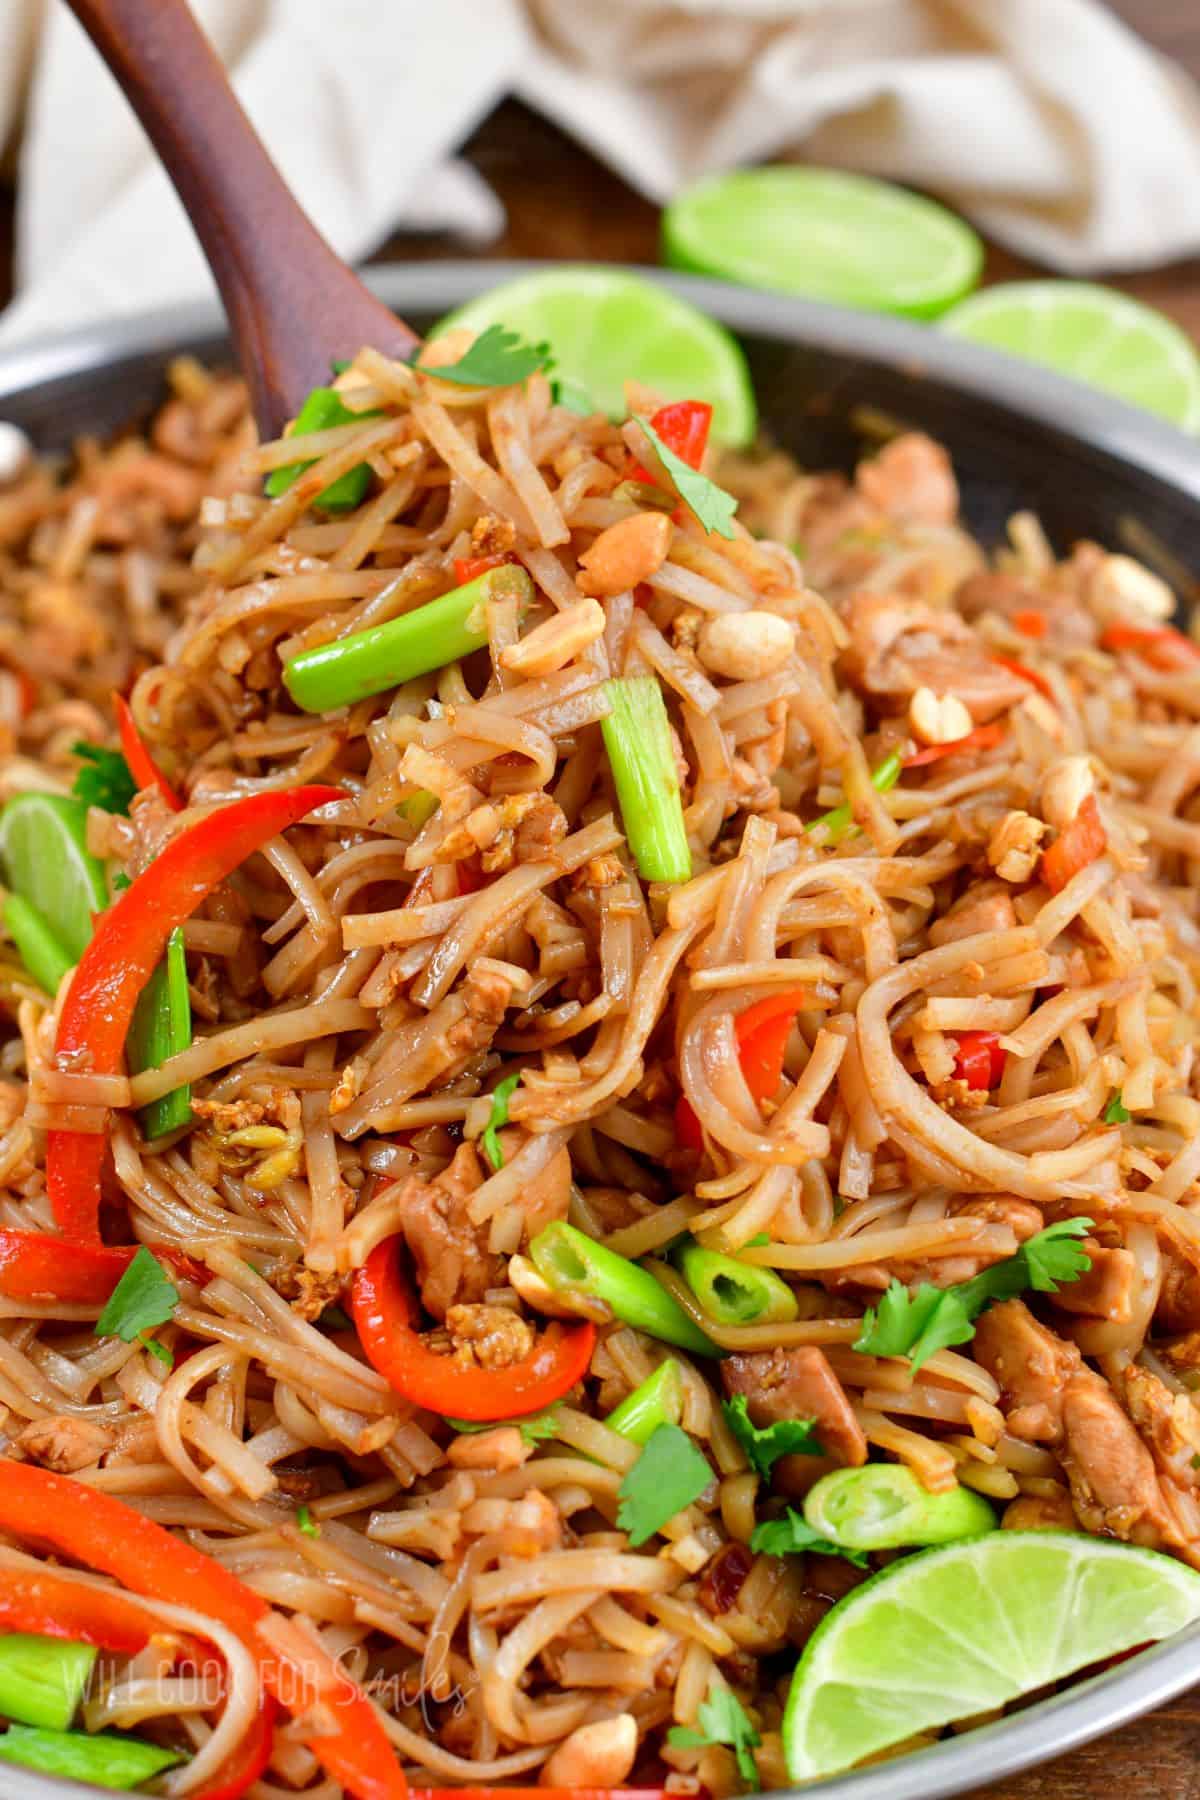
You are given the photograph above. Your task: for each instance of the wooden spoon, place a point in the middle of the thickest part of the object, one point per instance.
(293, 305)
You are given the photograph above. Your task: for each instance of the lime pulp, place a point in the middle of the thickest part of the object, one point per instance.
(827, 235)
(43, 847)
(1093, 333)
(967, 1628)
(607, 327)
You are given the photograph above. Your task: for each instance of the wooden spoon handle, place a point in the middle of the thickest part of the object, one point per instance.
(293, 305)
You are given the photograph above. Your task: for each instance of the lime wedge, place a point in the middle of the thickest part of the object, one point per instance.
(1094, 333)
(43, 847)
(959, 1630)
(606, 328)
(827, 235)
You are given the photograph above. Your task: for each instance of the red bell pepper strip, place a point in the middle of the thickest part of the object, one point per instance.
(48, 1604)
(247, 1760)
(467, 568)
(127, 943)
(688, 1128)
(978, 1059)
(762, 1033)
(683, 426)
(37, 1265)
(1025, 673)
(384, 1309)
(1030, 622)
(101, 1532)
(984, 737)
(1083, 840)
(142, 766)
(1161, 645)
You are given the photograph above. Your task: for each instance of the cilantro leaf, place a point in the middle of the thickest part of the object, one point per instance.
(104, 780)
(141, 1300)
(501, 1094)
(793, 1534)
(722, 1719)
(497, 358)
(1115, 1112)
(668, 1475)
(917, 1325)
(711, 504)
(533, 1428)
(305, 1521)
(161, 1352)
(764, 1445)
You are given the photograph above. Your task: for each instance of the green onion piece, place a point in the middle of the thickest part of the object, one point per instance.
(36, 944)
(637, 736)
(110, 1759)
(574, 1263)
(883, 1506)
(1115, 1113)
(384, 656)
(42, 1679)
(838, 823)
(732, 1292)
(418, 808)
(323, 409)
(659, 1401)
(161, 1028)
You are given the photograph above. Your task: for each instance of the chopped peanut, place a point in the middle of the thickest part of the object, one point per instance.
(745, 646)
(1065, 786)
(631, 551)
(938, 718)
(1125, 592)
(598, 1755)
(553, 643)
(1013, 846)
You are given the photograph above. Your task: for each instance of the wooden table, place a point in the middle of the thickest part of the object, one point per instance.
(562, 203)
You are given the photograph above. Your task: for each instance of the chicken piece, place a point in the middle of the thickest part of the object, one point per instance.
(64, 1443)
(487, 993)
(911, 479)
(1032, 1367)
(495, 1337)
(1067, 625)
(986, 907)
(453, 1262)
(308, 1292)
(798, 1384)
(1105, 1291)
(898, 645)
(1179, 1301)
(1169, 1424)
(1022, 1217)
(1113, 1485)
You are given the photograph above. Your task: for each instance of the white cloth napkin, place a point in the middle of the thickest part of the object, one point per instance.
(1046, 121)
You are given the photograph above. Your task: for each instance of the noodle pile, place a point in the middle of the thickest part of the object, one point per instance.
(361, 987)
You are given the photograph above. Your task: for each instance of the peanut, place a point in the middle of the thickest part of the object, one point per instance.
(630, 551)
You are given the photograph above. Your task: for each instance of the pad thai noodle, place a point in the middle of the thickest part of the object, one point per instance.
(561, 989)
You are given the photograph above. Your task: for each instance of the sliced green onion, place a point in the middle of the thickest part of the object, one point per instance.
(1115, 1113)
(323, 409)
(883, 1506)
(418, 808)
(110, 1759)
(574, 1263)
(659, 1401)
(732, 1292)
(42, 1679)
(36, 944)
(838, 823)
(161, 1028)
(367, 662)
(637, 736)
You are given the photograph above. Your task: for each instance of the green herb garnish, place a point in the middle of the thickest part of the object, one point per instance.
(711, 504)
(722, 1719)
(104, 780)
(142, 1300)
(497, 358)
(668, 1475)
(932, 1319)
(765, 1444)
(534, 1427)
(793, 1535)
(1116, 1113)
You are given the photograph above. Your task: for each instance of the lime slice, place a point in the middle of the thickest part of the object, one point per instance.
(606, 328)
(43, 847)
(826, 235)
(968, 1627)
(1093, 333)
